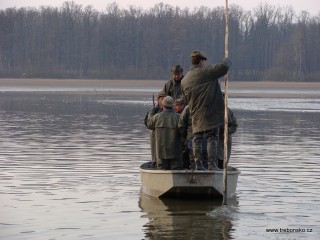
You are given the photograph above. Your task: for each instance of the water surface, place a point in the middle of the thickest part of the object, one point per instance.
(70, 170)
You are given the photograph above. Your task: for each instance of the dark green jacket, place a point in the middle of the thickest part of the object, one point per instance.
(147, 118)
(202, 91)
(165, 126)
(173, 88)
(185, 124)
(232, 128)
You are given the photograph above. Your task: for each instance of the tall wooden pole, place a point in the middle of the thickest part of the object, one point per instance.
(225, 159)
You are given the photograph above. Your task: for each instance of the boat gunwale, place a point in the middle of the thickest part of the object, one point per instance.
(186, 171)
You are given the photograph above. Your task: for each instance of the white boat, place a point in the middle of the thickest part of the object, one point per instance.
(187, 183)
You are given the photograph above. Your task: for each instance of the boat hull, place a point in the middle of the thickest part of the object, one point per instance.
(187, 183)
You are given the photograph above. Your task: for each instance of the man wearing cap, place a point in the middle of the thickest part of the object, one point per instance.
(155, 109)
(165, 126)
(201, 89)
(173, 87)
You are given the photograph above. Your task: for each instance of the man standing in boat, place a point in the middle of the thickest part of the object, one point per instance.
(167, 136)
(173, 87)
(155, 109)
(202, 91)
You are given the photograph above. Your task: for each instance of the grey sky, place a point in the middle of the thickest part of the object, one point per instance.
(312, 6)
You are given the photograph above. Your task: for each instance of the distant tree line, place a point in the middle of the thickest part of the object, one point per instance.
(268, 43)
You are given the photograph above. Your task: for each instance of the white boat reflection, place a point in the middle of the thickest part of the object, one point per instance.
(184, 219)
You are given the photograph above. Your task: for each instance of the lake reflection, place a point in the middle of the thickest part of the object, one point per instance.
(69, 170)
(193, 219)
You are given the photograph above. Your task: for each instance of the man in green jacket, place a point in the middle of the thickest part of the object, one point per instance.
(202, 91)
(173, 87)
(167, 136)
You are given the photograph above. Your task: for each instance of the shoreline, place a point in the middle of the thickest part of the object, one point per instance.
(266, 89)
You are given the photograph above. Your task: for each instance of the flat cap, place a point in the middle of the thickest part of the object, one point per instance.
(198, 54)
(180, 100)
(167, 102)
(161, 94)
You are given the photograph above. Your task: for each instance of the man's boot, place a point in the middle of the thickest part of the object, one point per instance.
(213, 166)
(199, 165)
(192, 165)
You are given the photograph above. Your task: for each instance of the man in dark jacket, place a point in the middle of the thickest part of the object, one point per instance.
(202, 91)
(173, 87)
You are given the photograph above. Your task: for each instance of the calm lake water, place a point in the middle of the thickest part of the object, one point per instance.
(70, 170)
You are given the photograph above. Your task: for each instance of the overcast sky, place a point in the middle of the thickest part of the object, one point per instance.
(312, 6)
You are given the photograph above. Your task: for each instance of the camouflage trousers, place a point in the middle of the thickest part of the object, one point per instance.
(211, 138)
